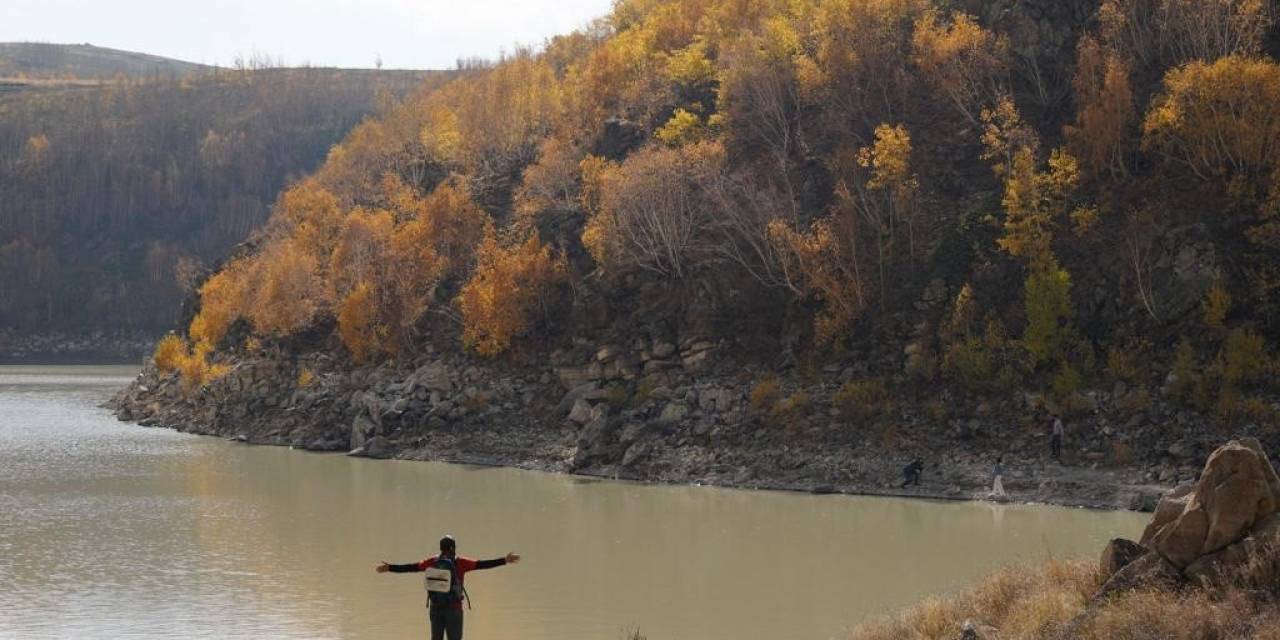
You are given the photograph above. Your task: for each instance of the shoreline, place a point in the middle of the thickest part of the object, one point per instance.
(381, 413)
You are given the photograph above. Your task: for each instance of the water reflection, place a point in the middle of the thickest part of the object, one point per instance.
(110, 530)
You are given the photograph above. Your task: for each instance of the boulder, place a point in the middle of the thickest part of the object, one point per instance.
(1118, 554)
(596, 442)
(674, 412)
(435, 377)
(575, 394)
(581, 411)
(1151, 571)
(1252, 563)
(1238, 489)
(362, 428)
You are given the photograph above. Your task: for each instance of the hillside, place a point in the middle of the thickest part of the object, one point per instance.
(40, 64)
(117, 195)
(783, 244)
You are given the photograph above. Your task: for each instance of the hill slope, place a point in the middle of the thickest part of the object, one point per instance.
(109, 188)
(34, 61)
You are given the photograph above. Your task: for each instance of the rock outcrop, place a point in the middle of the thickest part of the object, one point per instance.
(1222, 531)
(1237, 491)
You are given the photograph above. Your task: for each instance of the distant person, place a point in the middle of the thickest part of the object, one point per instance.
(1055, 438)
(912, 472)
(997, 479)
(445, 592)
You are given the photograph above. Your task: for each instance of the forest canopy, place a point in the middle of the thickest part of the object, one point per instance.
(820, 167)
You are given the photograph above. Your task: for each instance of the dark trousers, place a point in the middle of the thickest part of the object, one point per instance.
(1055, 447)
(446, 622)
(910, 478)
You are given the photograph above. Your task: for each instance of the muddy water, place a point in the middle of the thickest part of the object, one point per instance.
(110, 530)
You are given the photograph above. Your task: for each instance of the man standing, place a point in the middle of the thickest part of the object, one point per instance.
(445, 591)
(912, 472)
(1055, 439)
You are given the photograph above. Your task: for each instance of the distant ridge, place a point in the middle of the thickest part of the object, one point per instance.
(45, 61)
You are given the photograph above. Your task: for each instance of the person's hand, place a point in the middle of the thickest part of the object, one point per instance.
(383, 567)
(513, 558)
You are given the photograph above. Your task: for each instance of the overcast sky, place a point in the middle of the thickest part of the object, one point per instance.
(413, 34)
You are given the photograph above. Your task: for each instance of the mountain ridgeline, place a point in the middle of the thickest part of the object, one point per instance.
(118, 194)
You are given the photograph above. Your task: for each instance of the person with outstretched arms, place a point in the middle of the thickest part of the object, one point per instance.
(444, 583)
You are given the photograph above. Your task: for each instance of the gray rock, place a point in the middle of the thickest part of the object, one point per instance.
(674, 412)
(574, 395)
(362, 428)
(435, 377)
(581, 411)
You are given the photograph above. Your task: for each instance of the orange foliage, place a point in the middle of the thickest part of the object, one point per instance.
(290, 292)
(1103, 132)
(508, 286)
(169, 353)
(356, 324)
(963, 60)
(1219, 118)
(224, 297)
(823, 265)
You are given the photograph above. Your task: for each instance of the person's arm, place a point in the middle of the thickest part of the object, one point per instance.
(511, 558)
(413, 567)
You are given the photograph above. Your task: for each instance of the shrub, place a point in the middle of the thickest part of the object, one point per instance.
(1066, 381)
(1122, 453)
(1125, 363)
(969, 363)
(476, 402)
(509, 285)
(862, 398)
(643, 391)
(1243, 359)
(356, 324)
(765, 394)
(305, 377)
(1135, 402)
(1216, 306)
(1185, 370)
(791, 411)
(169, 353)
(1048, 305)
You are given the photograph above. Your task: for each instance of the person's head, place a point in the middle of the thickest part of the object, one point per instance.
(448, 546)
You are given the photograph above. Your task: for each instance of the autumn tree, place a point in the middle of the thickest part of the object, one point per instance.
(1102, 135)
(1219, 119)
(1162, 33)
(966, 62)
(651, 211)
(822, 264)
(224, 298)
(289, 293)
(507, 291)
(357, 323)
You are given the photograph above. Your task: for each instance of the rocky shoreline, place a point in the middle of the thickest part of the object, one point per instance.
(676, 413)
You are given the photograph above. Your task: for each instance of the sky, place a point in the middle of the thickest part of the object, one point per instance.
(406, 34)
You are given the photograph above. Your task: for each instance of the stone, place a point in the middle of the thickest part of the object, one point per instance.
(581, 411)
(362, 428)
(1118, 554)
(663, 350)
(377, 447)
(1150, 571)
(1252, 563)
(573, 377)
(435, 377)
(595, 442)
(1238, 489)
(607, 353)
(575, 394)
(635, 453)
(674, 412)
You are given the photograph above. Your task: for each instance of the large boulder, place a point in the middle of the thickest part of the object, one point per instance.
(1237, 490)
(1252, 563)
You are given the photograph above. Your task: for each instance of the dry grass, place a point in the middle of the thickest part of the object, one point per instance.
(1042, 603)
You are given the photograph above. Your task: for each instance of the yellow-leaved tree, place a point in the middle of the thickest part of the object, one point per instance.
(505, 293)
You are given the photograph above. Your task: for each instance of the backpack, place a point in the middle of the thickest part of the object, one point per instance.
(443, 584)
